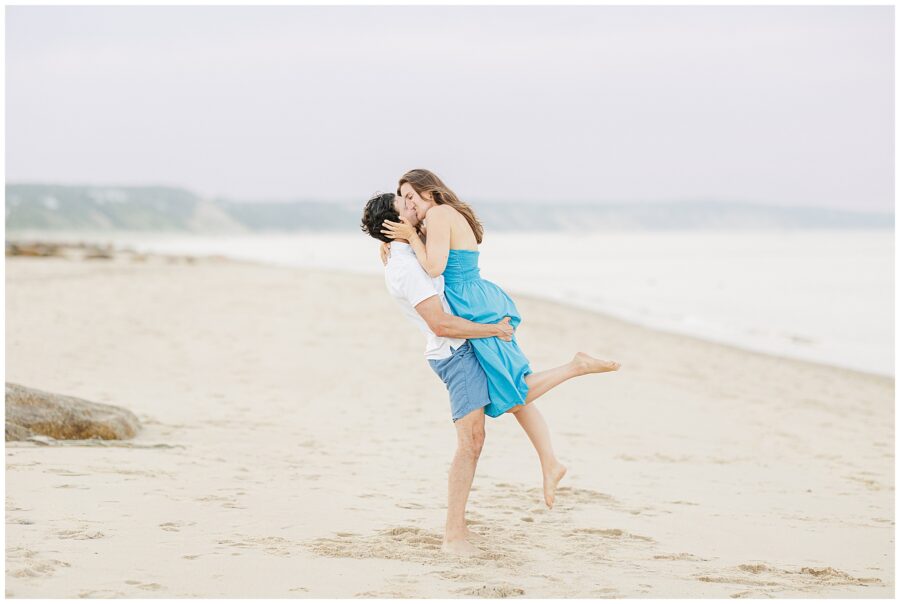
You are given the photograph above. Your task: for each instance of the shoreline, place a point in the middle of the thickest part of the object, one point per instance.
(516, 295)
(788, 333)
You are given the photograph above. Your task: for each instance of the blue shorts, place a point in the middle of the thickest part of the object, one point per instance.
(465, 380)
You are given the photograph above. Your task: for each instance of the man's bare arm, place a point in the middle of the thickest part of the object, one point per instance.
(451, 326)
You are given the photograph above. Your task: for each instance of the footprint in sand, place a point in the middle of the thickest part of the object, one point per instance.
(735, 581)
(19, 521)
(501, 590)
(745, 594)
(381, 594)
(144, 586)
(23, 563)
(276, 546)
(567, 498)
(582, 495)
(872, 485)
(461, 576)
(81, 533)
(63, 472)
(759, 574)
(175, 526)
(680, 556)
(407, 543)
(834, 576)
(101, 593)
(608, 533)
(411, 506)
(226, 502)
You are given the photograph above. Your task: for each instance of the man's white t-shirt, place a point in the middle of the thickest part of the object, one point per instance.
(409, 284)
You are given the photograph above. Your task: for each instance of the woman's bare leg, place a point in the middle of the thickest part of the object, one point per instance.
(541, 382)
(535, 427)
(531, 420)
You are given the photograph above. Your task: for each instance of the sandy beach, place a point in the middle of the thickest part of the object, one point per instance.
(296, 444)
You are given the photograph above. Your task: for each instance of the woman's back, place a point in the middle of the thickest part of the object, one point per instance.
(481, 301)
(461, 235)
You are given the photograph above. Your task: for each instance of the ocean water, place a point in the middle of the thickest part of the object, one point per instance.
(825, 296)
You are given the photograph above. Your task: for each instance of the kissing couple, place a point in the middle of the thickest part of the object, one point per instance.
(430, 251)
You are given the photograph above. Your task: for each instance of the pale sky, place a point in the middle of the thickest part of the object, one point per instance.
(788, 105)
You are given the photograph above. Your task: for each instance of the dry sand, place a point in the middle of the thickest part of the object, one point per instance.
(296, 444)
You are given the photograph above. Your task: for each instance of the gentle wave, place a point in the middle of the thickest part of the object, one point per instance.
(823, 296)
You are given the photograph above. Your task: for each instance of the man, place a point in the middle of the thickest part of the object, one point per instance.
(448, 352)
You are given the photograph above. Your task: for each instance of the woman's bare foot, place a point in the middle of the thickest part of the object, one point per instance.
(551, 479)
(460, 547)
(588, 364)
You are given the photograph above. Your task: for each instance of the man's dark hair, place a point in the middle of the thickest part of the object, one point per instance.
(378, 209)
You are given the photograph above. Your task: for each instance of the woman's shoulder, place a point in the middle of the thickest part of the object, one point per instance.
(441, 209)
(444, 212)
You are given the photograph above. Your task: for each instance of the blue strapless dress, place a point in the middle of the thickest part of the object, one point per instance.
(481, 301)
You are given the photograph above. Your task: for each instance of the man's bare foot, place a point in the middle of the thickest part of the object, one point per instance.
(551, 479)
(588, 364)
(460, 547)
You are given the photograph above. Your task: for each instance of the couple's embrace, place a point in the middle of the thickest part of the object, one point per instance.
(430, 252)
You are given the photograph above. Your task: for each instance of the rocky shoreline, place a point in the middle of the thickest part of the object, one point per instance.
(81, 250)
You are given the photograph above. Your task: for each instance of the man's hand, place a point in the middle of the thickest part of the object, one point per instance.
(385, 252)
(506, 330)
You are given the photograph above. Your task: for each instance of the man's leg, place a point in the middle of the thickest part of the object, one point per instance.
(470, 440)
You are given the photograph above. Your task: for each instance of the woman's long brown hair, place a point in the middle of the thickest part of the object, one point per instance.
(425, 181)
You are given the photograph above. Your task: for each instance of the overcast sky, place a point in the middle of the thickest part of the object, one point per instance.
(784, 105)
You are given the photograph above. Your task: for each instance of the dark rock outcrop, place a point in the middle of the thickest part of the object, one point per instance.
(39, 249)
(31, 412)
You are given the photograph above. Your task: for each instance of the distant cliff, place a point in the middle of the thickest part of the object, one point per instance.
(82, 208)
(102, 208)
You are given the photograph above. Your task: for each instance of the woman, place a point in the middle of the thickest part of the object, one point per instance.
(451, 249)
